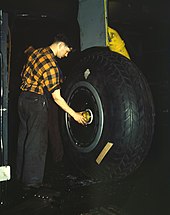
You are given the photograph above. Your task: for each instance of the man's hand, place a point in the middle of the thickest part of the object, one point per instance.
(79, 118)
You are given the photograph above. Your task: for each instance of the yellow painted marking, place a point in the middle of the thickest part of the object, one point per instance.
(103, 152)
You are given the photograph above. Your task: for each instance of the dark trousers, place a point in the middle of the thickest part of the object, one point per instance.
(32, 138)
(55, 142)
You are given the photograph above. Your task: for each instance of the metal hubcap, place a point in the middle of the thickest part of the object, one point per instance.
(83, 97)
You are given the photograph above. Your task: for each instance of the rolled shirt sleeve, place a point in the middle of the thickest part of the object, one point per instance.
(52, 79)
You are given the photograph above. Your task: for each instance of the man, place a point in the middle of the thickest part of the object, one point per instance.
(40, 73)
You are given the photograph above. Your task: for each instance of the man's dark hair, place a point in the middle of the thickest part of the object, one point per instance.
(62, 38)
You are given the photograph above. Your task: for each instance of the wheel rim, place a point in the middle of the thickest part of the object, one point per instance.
(84, 97)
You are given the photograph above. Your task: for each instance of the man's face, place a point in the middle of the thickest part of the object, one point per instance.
(63, 50)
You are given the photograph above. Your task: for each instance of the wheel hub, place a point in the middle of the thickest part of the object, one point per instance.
(88, 115)
(83, 97)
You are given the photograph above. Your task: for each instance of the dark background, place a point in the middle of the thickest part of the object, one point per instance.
(145, 28)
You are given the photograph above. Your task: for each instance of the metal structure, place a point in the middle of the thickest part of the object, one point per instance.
(4, 167)
(94, 29)
(93, 23)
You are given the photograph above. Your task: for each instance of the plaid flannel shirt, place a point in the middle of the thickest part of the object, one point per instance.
(41, 71)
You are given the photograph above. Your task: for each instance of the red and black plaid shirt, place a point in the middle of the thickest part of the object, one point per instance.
(41, 71)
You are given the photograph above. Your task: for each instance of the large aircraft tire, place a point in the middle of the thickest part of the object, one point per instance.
(119, 106)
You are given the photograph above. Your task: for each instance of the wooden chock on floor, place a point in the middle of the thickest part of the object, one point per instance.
(103, 153)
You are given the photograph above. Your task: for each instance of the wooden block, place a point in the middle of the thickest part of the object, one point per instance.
(103, 152)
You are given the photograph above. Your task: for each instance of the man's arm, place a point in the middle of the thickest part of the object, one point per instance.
(62, 103)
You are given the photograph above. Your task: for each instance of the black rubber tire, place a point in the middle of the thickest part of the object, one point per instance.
(123, 114)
